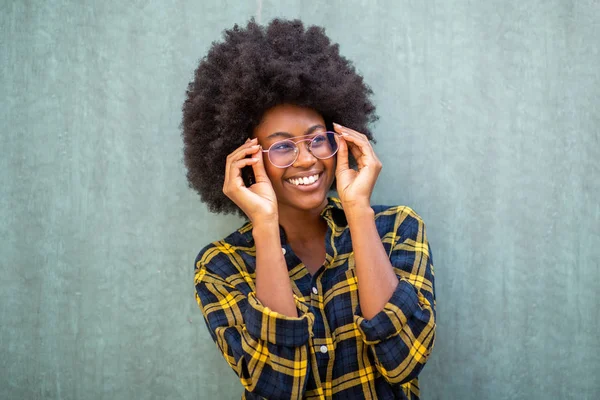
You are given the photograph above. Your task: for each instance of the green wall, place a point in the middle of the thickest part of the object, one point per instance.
(489, 128)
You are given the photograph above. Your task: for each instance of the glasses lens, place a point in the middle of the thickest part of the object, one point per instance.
(283, 153)
(324, 145)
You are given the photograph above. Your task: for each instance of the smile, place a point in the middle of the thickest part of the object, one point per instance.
(307, 180)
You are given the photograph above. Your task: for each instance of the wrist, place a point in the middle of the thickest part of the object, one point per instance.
(267, 220)
(267, 229)
(357, 210)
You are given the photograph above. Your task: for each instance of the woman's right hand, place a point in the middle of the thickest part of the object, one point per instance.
(258, 201)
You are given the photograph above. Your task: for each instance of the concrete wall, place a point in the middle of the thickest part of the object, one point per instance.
(489, 128)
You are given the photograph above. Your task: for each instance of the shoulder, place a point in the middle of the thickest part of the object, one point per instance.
(403, 212)
(228, 255)
(397, 218)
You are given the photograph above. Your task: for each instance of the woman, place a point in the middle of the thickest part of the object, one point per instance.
(315, 296)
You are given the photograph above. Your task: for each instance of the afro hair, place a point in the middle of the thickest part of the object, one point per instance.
(251, 71)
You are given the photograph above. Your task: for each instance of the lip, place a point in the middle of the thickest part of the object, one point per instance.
(306, 188)
(305, 174)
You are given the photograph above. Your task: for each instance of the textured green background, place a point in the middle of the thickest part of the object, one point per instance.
(490, 119)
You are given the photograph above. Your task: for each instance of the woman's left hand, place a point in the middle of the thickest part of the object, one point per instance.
(355, 187)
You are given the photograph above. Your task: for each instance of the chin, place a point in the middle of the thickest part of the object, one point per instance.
(304, 201)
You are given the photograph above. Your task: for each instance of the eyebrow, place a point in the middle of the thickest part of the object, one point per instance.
(289, 135)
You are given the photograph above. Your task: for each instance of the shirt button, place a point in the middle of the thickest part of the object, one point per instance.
(283, 250)
(315, 291)
(323, 349)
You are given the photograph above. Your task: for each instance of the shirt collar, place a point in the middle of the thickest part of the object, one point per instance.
(333, 213)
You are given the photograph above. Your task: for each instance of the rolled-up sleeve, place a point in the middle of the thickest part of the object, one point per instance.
(267, 350)
(272, 327)
(401, 336)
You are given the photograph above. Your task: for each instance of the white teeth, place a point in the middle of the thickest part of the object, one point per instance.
(307, 180)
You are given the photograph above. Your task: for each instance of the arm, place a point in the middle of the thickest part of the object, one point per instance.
(374, 272)
(264, 343)
(376, 280)
(259, 203)
(401, 336)
(273, 285)
(267, 350)
(396, 297)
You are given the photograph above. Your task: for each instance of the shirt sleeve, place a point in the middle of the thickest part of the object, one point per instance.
(267, 350)
(402, 335)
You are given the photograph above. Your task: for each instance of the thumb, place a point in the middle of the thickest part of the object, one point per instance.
(259, 168)
(342, 158)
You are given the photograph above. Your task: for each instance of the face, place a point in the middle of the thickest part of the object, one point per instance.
(288, 121)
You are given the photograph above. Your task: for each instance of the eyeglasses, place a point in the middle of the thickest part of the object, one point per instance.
(284, 153)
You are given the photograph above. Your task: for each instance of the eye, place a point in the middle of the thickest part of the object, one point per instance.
(283, 146)
(319, 140)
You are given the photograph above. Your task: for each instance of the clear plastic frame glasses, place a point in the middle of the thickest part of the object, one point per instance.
(284, 153)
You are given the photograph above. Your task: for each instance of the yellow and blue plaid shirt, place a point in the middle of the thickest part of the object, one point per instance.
(329, 351)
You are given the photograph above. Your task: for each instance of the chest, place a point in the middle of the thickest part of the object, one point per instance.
(313, 257)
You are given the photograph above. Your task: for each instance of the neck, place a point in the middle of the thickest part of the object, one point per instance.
(302, 225)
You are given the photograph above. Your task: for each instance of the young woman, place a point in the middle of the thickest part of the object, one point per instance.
(314, 297)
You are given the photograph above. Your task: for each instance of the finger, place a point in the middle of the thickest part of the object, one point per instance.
(358, 148)
(358, 139)
(243, 150)
(233, 175)
(344, 130)
(238, 154)
(342, 156)
(236, 170)
(239, 164)
(260, 174)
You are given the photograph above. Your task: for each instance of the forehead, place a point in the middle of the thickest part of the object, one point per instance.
(288, 120)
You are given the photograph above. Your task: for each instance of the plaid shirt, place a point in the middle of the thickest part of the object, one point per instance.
(329, 351)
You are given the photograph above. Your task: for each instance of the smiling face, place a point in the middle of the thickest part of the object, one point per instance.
(304, 184)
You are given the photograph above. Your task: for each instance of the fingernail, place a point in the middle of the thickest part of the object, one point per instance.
(254, 139)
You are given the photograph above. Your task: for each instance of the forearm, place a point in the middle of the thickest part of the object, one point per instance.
(280, 341)
(273, 286)
(376, 278)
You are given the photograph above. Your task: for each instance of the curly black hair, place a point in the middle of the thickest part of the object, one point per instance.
(252, 70)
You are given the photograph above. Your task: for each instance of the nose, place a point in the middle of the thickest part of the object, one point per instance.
(305, 157)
